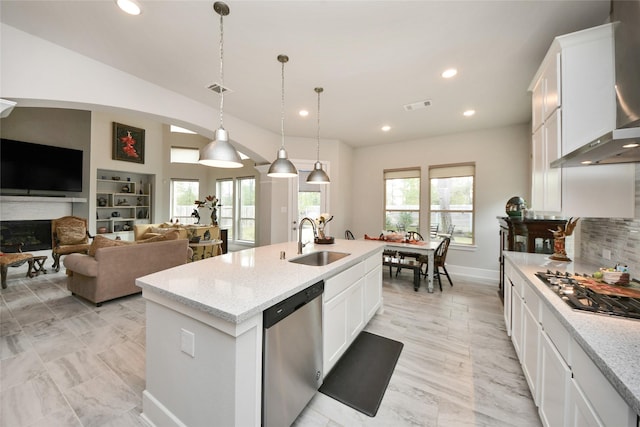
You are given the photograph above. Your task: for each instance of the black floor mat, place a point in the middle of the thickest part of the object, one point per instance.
(362, 374)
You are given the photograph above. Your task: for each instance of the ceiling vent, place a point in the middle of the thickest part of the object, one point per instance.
(218, 88)
(417, 105)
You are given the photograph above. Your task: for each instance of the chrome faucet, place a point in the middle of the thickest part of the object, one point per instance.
(313, 224)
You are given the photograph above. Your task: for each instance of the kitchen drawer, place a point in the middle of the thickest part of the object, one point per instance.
(513, 275)
(609, 406)
(557, 333)
(532, 300)
(341, 281)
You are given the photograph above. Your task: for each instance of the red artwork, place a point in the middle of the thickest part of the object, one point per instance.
(128, 143)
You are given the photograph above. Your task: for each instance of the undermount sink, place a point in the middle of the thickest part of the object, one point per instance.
(319, 258)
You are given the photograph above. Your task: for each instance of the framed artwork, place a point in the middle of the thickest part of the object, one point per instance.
(128, 143)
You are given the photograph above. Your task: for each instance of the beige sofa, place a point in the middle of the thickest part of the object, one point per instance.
(144, 231)
(112, 272)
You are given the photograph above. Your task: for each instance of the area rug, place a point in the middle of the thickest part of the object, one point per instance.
(362, 374)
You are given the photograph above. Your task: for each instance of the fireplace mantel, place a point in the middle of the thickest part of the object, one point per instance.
(36, 207)
(42, 199)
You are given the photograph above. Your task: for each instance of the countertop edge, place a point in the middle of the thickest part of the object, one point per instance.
(238, 318)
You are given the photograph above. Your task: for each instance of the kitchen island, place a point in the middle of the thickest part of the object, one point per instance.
(204, 326)
(582, 367)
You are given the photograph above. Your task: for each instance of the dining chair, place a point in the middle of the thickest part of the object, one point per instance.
(411, 235)
(349, 235)
(433, 232)
(439, 261)
(450, 230)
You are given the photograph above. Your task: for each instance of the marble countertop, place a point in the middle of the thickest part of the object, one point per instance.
(236, 286)
(612, 343)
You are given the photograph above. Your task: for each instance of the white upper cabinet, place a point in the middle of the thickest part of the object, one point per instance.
(588, 86)
(573, 103)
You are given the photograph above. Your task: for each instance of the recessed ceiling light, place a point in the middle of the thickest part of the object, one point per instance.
(586, 162)
(303, 113)
(631, 145)
(386, 128)
(129, 6)
(447, 74)
(469, 113)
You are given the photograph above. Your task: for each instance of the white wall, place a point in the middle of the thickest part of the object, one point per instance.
(75, 81)
(502, 169)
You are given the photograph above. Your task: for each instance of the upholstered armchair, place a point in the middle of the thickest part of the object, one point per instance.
(69, 235)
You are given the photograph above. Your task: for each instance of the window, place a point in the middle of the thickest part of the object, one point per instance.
(402, 199)
(452, 201)
(238, 211)
(183, 195)
(310, 202)
(224, 191)
(185, 155)
(246, 209)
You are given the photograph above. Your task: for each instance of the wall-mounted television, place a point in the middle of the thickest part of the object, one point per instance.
(35, 167)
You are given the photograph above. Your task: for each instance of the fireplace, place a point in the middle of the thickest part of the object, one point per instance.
(35, 234)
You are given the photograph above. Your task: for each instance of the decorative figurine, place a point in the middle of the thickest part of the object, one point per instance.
(559, 235)
(195, 214)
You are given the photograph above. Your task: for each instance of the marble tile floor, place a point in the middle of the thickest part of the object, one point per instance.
(65, 362)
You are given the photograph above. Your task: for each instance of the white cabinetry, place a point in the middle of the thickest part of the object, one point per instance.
(593, 399)
(546, 190)
(350, 299)
(531, 331)
(372, 287)
(573, 103)
(554, 384)
(516, 317)
(122, 202)
(566, 385)
(525, 327)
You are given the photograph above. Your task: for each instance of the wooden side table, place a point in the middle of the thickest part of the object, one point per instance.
(36, 266)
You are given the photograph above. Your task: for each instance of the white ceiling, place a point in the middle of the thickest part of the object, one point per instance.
(371, 57)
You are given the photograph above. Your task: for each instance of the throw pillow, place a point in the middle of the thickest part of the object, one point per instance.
(161, 230)
(151, 237)
(146, 236)
(71, 235)
(155, 238)
(105, 242)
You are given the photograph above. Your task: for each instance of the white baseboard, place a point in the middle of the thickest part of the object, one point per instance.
(488, 277)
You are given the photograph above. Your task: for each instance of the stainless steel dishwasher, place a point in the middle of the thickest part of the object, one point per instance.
(292, 356)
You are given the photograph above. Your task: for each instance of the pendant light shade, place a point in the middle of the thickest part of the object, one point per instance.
(318, 175)
(219, 152)
(282, 166)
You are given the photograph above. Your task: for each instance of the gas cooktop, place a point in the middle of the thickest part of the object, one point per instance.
(581, 292)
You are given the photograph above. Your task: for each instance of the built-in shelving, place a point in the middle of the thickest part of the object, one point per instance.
(122, 200)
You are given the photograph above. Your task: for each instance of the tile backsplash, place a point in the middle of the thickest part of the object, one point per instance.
(620, 236)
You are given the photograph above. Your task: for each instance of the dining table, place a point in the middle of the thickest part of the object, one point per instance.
(427, 247)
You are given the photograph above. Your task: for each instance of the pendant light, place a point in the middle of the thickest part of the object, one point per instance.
(219, 152)
(318, 175)
(282, 166)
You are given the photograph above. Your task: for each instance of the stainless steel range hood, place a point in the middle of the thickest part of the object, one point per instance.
(619, 145)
